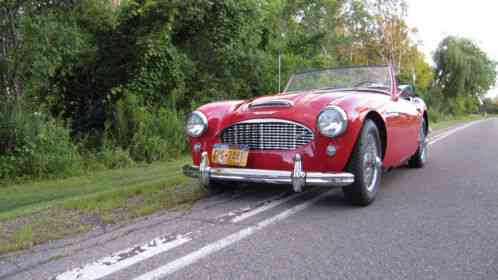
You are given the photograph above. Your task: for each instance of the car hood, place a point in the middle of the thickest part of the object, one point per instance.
(302, 107)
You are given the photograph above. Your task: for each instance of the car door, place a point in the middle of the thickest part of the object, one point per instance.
(402, 122)
(395, 124)
(410, 123)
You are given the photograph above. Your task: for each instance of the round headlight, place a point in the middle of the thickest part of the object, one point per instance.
(196, 124)
(332, 121)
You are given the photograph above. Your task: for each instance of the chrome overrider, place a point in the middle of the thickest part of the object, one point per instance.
(298, 178)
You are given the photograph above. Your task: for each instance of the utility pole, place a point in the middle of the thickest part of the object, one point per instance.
(279, 71)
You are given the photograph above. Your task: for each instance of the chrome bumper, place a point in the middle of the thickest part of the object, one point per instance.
(297, 178)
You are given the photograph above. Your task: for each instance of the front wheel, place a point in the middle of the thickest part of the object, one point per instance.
(366, 165)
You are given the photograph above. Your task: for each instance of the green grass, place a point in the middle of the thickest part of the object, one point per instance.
(452, 121)
(37, 212)
(28, 198)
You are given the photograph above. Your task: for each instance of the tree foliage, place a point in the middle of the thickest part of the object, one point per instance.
(122, 77)
(464, 73)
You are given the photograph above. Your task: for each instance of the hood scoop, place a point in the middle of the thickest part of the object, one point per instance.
(275, 103)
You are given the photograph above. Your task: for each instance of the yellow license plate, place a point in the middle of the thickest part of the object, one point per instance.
(230, 155)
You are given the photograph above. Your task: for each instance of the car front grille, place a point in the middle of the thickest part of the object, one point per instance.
(268, 134)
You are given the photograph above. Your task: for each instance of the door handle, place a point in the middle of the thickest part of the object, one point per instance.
(392, 114)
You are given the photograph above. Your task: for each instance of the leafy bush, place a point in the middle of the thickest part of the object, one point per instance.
(149, 133)
(35, 144)
(436, 116)
(101, 152)
(114, 158)
(159, 136)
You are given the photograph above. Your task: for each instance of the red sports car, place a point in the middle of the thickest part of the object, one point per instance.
(332, 128)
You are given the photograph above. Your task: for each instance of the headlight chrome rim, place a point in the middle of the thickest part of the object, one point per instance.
(204, 123)
(343, 117)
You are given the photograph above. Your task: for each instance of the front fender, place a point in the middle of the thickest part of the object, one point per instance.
(215, 113)
(358, 110)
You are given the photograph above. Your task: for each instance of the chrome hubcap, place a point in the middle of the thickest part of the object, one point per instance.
(371, 163)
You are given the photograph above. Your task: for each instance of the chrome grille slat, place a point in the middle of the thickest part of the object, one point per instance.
(268, 135)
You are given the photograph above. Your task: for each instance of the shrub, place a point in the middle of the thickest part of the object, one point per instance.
(149, 133)
(35, 144)
(436, 116)
(114, 158)
(159, 136)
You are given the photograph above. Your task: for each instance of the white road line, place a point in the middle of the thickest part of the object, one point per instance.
(123, 259)
(136, 254)
(263, 208)
(216, 246)
(451, 132)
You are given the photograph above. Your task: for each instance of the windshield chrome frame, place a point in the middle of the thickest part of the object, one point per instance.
(387, 91)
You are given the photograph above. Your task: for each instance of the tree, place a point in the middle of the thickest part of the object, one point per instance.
(415, 70)
(391, 30)
(13, 16)
(463, 72)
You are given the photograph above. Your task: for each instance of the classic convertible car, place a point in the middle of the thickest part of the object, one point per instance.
(338, 127)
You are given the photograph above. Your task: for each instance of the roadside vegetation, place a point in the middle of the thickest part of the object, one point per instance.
(32, 213)
(93, 95)
(451, 121)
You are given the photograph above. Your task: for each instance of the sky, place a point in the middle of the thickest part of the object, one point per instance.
(436, 19)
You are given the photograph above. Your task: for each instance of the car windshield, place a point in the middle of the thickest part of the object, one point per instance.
(370, 77)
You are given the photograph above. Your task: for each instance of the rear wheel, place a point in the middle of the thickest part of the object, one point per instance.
(419, 159)
(366, 165)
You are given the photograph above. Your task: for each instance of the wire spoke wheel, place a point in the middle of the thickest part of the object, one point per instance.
(370, 166)
(366, 165)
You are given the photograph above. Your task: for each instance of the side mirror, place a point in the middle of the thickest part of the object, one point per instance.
(406, 91)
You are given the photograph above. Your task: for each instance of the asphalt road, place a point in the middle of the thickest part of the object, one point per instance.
(440, 222)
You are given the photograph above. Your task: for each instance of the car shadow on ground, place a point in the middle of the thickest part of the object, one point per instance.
(251, 193)
(390, 181)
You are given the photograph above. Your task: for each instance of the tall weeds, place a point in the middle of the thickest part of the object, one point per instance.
(149, 134)
(33, 144)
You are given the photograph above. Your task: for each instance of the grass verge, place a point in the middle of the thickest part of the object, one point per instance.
(452, 121)
(38, 212)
